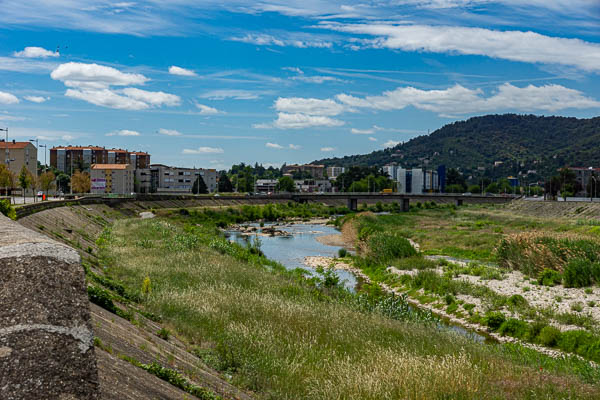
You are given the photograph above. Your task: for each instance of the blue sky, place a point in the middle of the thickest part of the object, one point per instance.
(200, 83)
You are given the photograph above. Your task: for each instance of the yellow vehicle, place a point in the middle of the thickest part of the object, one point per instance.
(386, 191)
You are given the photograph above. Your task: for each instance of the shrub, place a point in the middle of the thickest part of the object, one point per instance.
(577, 307)
(163, 333)
(549, 336)
(342, 252)
(449, 299)
(102, 298)
(494, 319)
(147, 286)
(549, 277)
(575, 341)
(516, 300)
(514, 327)
(578, 273)
(7, 209)
(385, 247)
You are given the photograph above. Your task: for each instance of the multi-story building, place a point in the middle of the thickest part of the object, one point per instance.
(583, 175)
(413, 180)
(265, 185)
(316, 171)
(18, 154)
(313, 185)
(69, 158)
(159, 178)
(112, 178)
(334, 172)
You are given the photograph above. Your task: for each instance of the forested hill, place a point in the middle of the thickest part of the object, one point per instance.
(521, 142)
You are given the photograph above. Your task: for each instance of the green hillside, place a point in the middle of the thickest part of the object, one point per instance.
(521, 142)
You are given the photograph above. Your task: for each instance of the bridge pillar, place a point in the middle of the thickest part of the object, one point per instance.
(405, 205)
(458, 202)
(353, 204)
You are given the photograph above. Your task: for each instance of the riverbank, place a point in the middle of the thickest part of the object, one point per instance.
(280, 335)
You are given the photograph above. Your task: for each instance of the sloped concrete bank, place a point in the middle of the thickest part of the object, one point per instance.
(46, 340)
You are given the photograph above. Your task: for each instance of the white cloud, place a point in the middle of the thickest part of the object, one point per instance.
(94, 76)
(372, 139)
(35, 52)
(362, 131)
(152, 98)
(262, 39)
(92, 83)
(175, 70)
(8, 98)
(327, 149)
(521, 46)
(203, 150)
(106, 98)
(169, 132)
(235, 94)
(124, 132)
(5, 117)
(390, 143)
(460, 100)
(293, 105)
(293, 69)
(316, 79)
(295, 146)
(273, 145)
(298, 120)
(206, 110)
(36, 99)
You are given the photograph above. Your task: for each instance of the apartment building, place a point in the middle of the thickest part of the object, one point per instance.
(334, 172)
(316, 171)
(112, 178)
(18, 154)
(69, 158)
(265, 185)
(159, 178)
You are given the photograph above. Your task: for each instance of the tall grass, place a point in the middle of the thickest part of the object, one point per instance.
(284, 337)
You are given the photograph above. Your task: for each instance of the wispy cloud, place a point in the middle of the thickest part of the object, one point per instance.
(390, 143)
(262, 39)
(295, 146)
(123, 132)
(206, 110)
(36, 99)
(327, 149)
(273, 145)
(203, 150)
(236, 94)
(362, 131)
(521, 46)
(169, 132)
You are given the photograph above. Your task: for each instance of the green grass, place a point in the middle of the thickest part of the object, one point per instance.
(286, 337)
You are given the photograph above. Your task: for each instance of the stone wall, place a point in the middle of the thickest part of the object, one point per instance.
(46, 341)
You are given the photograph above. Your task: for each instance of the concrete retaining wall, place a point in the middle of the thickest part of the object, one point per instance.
(46, 341)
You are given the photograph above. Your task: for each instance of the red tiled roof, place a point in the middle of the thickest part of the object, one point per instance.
(15, 145)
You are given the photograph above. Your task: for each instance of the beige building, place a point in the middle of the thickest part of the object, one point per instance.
(112, 178)
(161, 178)
(16, 154)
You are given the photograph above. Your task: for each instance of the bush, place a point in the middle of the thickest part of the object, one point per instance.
(385, 247)
(578, 273)
(102, 298)
(515, 328)
(549, 277)
(7, 209)
(163, 333)
(549, 336)
(342, 252)
(494, 319)
(516, 300)
(575, 341)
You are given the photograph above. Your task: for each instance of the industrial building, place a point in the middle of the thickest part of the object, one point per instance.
(15, 155)
(112, 178)
(69, 158)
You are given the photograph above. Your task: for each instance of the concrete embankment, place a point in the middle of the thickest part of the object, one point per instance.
(46, 341)
(555, 209)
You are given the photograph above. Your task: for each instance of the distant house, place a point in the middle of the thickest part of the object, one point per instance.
(19, 154)
(112, 178)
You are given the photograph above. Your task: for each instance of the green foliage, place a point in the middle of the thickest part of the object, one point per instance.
(342, 252)
(513, 327)
(163, 333)
(549, 277)
(516, 300)
(580, 273)
(285, 184)
(199, 186)
(101, 298)
(7, 209)
(494, 319)
(176, 379)
(384, 246)
(549, 336)
(224, 185)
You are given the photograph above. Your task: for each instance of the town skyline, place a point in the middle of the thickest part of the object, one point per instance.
(200, 84)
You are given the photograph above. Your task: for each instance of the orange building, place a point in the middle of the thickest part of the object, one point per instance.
(70, 158)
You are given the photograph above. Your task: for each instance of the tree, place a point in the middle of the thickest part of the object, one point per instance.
(47, 181)
(63, 181)
(199, 187)
(7, 178)
(80, 182)
(25, 179)
(453, 177)
(285, 184)
(225, 185)
(474, 189)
